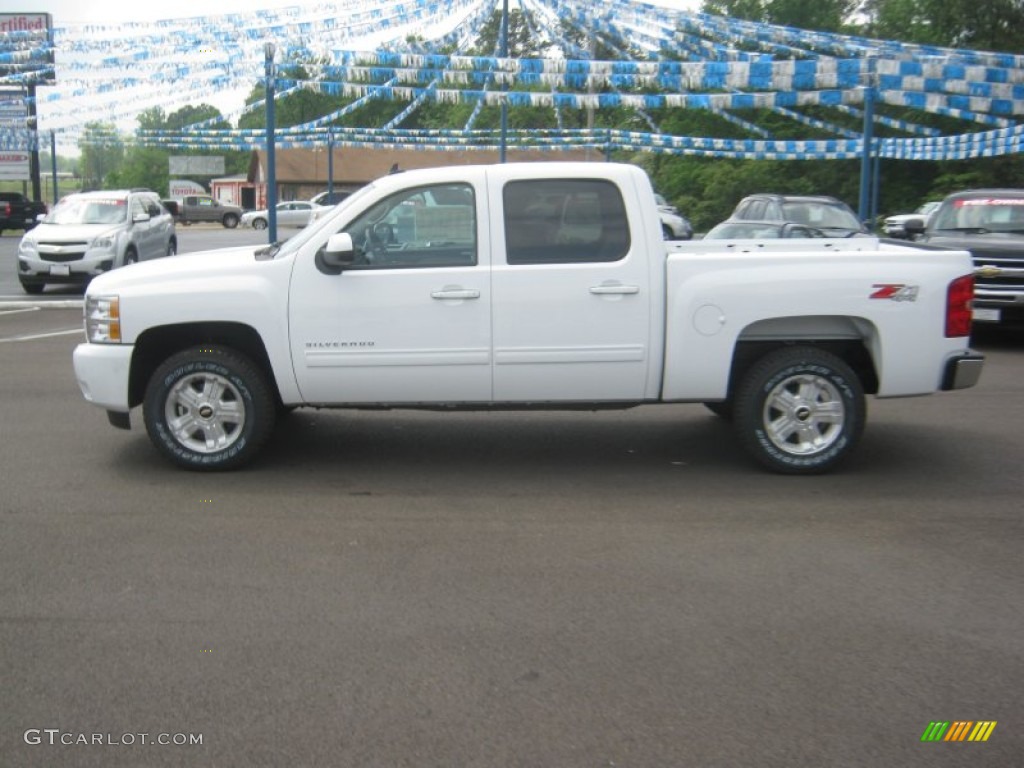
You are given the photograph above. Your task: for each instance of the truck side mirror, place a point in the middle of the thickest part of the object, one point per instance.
(140, 217)
(914, 226)
(338, 254)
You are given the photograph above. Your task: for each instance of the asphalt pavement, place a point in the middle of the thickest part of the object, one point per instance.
(534, 589)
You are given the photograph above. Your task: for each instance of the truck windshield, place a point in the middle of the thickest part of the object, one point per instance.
(89, 211)
(982, 215)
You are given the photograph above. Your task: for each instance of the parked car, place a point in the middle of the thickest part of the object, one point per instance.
(195, 208)
(90, 233)
(831, 215)
(892, 226)
(19, 212)
(990, 224)
(296, 213)
(674, 226)
(747, 230)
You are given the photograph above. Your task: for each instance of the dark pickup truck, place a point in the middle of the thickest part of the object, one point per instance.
(18, 212)
(990, 224)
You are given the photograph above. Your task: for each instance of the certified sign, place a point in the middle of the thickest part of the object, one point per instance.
(34, 30)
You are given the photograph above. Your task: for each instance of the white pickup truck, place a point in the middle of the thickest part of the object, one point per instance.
(535, 285)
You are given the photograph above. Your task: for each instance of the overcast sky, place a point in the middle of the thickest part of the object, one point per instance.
(67, 12)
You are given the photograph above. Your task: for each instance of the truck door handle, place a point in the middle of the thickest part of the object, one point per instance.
(604, 290)
(456, 293)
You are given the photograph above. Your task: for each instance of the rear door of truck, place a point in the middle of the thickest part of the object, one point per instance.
(571, 287)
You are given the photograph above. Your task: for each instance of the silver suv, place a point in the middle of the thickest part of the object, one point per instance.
(90, 233)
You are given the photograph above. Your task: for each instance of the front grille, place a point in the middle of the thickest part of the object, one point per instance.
(1008, 287)
(62, 252)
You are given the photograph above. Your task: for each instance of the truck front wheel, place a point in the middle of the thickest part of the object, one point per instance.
(800, 410)
(208, 408)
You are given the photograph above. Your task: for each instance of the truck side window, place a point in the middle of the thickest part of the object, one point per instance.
(564, 221)
(433, 226)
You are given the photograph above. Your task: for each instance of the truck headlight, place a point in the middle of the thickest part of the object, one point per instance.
(105, 243)
(103, 319)
(28, 248)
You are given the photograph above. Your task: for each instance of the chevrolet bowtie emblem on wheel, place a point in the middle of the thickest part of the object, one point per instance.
(988, 270)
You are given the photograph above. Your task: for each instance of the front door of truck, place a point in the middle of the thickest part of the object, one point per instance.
(410, 322)
(572, 297)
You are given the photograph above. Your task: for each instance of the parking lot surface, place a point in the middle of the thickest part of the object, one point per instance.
(540, 589)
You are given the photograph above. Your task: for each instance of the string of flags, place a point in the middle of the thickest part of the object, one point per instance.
(413, 51)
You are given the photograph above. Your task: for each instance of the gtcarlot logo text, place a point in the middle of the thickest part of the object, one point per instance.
(57, 737)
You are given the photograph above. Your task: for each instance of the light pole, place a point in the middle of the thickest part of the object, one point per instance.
(330, 167)
(504, 102)
(53, 163)
(268, 53)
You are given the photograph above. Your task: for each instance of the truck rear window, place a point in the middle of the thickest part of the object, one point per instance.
(564, 221)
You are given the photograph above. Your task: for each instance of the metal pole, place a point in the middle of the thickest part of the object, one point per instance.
(268, 51)
(868, 140)
(53, 163)
(875, 188)
(33, 162)
(503, 52)
(330, 168)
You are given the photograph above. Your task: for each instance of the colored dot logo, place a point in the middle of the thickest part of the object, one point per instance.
(958, 730)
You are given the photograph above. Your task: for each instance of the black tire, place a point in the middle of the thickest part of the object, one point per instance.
(799, 410)
(667, 233)
(33, 289)
(259, 223)
(172, 247)
(230, 220)
(216, 394)
(130, 257)
(721, 408)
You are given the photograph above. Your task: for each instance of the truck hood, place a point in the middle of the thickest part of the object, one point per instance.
(69, 233)
(993, 245)
(204, 266)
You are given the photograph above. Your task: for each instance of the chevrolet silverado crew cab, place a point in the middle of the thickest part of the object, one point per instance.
(90, 233)
(533, 285)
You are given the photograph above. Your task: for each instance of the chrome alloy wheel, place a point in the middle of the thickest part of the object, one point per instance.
(205, 412)
(803, 414)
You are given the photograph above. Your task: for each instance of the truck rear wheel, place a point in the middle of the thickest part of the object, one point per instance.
(800, 410)
(230, 220)
(208, 408)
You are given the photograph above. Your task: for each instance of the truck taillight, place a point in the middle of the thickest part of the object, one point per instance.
(958, 306)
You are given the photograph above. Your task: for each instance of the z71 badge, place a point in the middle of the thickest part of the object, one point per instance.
(895, 292)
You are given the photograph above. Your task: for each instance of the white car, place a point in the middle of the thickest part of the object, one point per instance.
(296, 213)
(674, 226)
(893, 225)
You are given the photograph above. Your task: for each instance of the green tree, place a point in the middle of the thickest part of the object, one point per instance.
(102, 150)
(993, 25)
(822, 15)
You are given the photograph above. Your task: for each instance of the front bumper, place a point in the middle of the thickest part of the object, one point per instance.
(962, 371)
(102, 372)
(32, 269)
